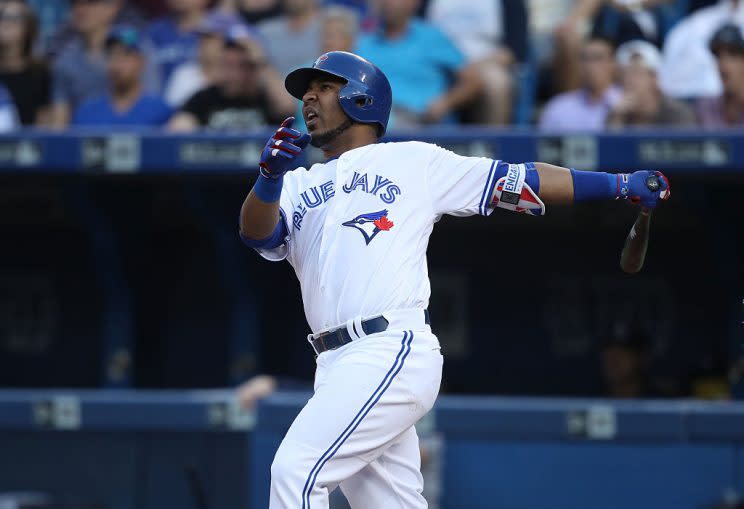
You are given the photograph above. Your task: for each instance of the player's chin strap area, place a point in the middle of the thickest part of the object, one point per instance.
(514, 192)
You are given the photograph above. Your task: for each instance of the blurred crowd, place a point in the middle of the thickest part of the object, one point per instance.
(185, 65)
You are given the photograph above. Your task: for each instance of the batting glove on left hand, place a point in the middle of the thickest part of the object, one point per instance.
(643, 187)
(279, 154)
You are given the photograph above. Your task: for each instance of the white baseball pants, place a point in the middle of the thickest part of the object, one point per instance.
(357, 431)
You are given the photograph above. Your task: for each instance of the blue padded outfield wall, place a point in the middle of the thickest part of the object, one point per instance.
(127, 450)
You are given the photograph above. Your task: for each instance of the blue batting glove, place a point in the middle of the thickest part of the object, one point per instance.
(279, 154)
(644, 187)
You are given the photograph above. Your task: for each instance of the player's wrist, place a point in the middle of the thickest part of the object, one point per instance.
(268, 189)
(596, 185)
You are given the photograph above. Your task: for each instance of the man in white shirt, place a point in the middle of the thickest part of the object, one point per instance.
(355, 229)
(688, 68)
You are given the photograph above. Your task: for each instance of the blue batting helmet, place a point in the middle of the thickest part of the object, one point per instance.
(366, 97)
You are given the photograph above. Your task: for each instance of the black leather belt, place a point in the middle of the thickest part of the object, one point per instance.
(335, 338)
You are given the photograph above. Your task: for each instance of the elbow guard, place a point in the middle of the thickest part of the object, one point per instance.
(276, 239)
(517, 189)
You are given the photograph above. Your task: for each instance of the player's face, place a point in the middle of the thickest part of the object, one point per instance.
(321, 109)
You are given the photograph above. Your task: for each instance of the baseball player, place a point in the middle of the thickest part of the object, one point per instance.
(355, 229)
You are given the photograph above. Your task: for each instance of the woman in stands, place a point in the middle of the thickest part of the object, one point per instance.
(27, 79)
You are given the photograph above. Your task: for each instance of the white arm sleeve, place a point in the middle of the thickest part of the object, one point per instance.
(459, 185)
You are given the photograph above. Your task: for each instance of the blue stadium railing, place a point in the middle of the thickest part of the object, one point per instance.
(124, 152)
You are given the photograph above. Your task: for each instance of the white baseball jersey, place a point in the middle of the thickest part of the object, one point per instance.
(359, 225)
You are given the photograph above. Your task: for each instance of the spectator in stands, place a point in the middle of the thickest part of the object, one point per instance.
(50, 15)
(642, 102)
(249, 95)
(8, 113)
(190, 77)
(339, 29)
(175, 37)
(126, 103)
(429, 75)
(252, 11)
(587, 108)
(27, 79)
(66, 32)
(79, 71)
(493, 36)
(727, 109)
(619, 20)
(293, 39)
(688, 68)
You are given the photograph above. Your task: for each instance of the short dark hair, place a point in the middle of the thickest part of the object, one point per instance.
(727, 36)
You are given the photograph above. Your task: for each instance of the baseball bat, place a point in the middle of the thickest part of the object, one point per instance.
(196, 486)
(636, 243)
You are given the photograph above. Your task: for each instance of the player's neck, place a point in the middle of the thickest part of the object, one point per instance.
(356, 136)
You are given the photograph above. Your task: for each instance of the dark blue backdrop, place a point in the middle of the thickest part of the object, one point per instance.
(121, 266)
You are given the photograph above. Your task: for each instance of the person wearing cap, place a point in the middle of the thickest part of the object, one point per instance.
(642, 102)
(126, 103)
(79, 70)
(688, 69)
(726, 109)
(248, 95)
(190, 77)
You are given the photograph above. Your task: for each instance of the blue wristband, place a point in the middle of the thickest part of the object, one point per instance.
(594, 185)
(268, 190)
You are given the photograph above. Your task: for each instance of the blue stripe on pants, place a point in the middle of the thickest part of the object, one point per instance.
(405, 348)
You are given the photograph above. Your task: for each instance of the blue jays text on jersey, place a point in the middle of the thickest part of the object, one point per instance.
(317, 195)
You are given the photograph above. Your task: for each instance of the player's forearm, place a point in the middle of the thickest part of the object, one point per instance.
(258, 217)
(556, 184)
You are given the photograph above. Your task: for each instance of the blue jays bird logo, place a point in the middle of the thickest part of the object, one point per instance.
(370, 224)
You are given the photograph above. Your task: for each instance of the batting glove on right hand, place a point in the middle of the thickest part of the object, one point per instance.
(644, 187)
(278, 156)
